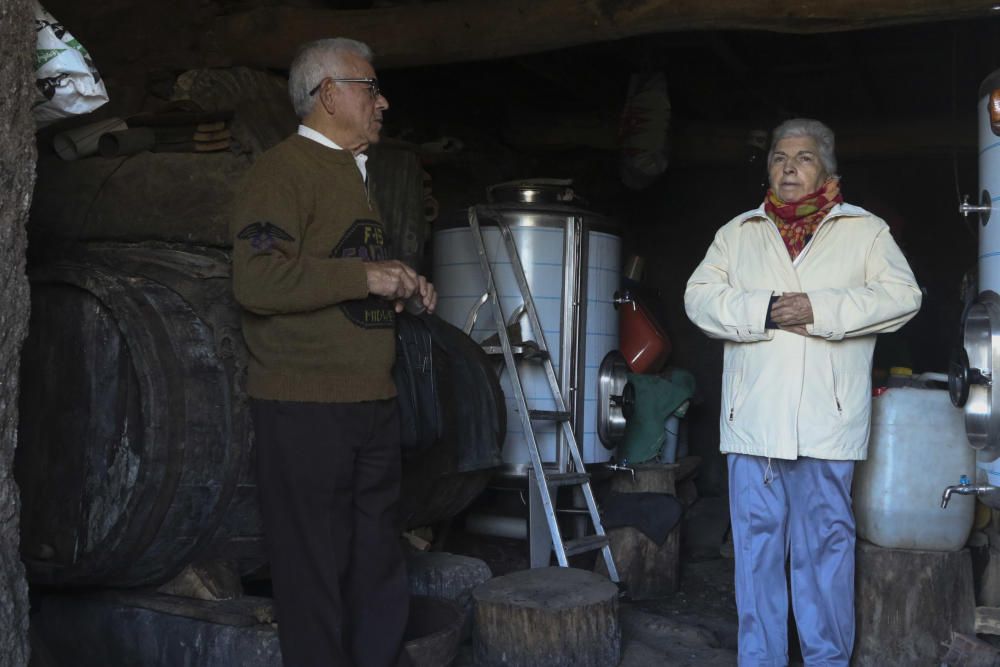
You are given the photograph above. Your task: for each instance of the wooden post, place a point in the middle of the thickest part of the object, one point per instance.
(554, 616)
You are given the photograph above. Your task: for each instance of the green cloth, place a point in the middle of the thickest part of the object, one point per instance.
(656, 398)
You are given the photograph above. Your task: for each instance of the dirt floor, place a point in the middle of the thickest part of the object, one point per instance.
(695, 626)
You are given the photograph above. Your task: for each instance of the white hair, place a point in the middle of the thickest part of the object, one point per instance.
(316, 61)
(807, 127)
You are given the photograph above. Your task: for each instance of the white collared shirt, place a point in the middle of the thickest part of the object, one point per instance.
(360, 159)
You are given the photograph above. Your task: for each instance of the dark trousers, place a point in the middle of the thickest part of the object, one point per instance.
(328, 475)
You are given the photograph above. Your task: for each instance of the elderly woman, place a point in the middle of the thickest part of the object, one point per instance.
(798, 288)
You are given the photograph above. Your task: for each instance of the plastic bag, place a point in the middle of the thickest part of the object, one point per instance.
(645, 124)
(67, 80)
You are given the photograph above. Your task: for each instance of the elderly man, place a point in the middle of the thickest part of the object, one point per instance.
(798, 288)
(319, 300)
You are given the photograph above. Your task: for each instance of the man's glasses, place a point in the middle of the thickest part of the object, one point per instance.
(372, 85)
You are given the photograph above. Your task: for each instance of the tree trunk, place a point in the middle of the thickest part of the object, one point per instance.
(647, 569)
(554, 616)
(17, 163)
(908, 602)
(463, 30)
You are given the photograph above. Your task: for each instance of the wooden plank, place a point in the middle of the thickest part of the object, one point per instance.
(466, 30)
(241, 612)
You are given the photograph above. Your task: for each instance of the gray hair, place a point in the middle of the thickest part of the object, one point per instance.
(807, 127)
(316, 61)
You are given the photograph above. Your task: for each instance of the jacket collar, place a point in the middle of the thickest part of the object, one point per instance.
(843, 210)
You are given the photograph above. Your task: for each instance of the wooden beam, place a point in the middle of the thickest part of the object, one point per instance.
(465, 30)
(698, 144)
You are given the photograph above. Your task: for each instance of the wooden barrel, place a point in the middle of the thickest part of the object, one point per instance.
(128, 461)
(136, 451)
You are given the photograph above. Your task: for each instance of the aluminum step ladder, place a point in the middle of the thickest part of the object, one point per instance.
(543, 483)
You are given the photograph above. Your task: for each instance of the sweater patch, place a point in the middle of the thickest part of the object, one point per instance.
(366, 239)
(262, 235)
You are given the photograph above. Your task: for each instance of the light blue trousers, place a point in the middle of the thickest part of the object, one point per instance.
(797, 511)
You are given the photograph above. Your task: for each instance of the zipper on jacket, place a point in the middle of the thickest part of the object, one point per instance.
(836, 396)
(735, 394)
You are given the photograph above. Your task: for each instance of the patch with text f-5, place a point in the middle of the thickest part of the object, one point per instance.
(366, 239)
(262, 235)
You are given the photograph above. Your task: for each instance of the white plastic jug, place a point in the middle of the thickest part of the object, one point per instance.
(917, 448)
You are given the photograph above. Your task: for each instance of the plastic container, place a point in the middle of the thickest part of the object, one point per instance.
(641, 339)
(917, 448)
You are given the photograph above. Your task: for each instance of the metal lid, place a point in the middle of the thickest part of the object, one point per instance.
(531, 215)
(536, 202)
(533, 191)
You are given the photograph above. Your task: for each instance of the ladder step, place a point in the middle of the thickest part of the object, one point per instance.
(584, 544)
(549, 415)
(528, 352)
(567, 479)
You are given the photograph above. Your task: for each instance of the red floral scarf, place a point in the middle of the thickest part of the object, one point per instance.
(797, 220)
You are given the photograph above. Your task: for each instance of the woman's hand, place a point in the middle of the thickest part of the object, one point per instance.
(792, 309)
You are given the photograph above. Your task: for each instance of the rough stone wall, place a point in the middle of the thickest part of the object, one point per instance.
(17, 176)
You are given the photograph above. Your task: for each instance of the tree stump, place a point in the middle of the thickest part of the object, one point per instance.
(908, 602)
(449, 576)
(557, 617)
(648, 570)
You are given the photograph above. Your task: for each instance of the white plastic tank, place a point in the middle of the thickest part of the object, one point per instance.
(917, 448)
(539, 230)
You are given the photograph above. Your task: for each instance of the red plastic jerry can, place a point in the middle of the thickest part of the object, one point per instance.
(642, 340)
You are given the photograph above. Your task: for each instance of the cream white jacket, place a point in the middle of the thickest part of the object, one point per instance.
(786, 395)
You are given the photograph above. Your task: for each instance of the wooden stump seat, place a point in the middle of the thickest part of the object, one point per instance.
(557, 617)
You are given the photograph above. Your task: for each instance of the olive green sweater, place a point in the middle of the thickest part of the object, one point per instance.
(302, 226)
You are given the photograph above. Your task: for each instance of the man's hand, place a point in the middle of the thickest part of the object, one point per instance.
(391, 279)
(397, 282)
(428, 295)
(423, 300)
(792, 309)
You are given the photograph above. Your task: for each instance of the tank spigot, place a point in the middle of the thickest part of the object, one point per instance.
(623, 299)
(965, 208)
(624, 467)
(966, 488)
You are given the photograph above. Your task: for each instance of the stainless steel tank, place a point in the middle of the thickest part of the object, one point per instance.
(571, 257)
(971, 375)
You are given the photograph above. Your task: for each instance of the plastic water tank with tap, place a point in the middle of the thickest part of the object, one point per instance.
(917, 448)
